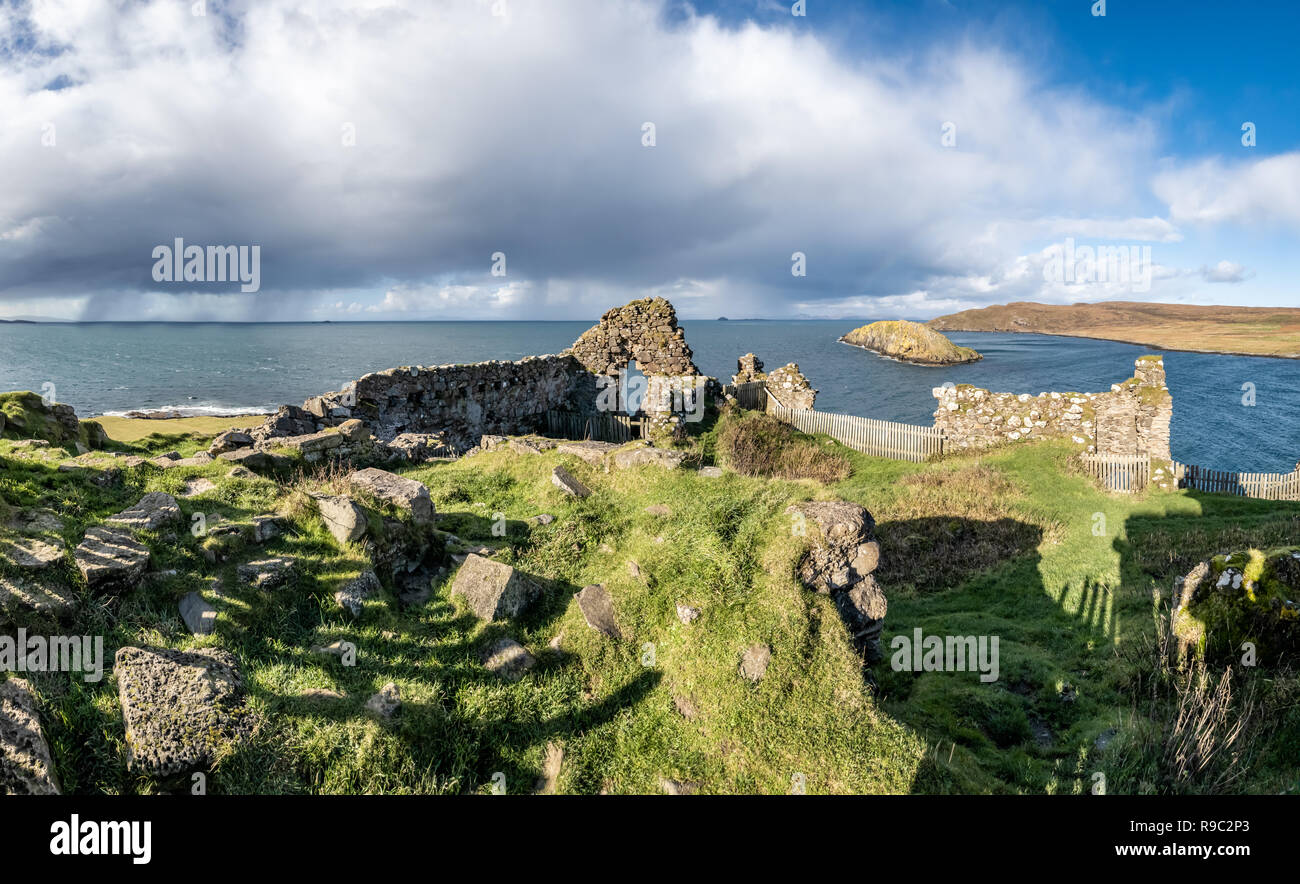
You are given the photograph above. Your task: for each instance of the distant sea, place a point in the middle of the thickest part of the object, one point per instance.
(212, 368)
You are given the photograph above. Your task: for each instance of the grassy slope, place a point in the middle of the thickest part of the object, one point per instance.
(1010, 536)
(126, 429)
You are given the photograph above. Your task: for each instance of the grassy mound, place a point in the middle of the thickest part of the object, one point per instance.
(758, 445)
(25, 415)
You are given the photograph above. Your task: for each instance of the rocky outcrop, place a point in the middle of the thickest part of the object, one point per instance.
(910, 342)
(181, 709)
(26, 767)
(840, 562)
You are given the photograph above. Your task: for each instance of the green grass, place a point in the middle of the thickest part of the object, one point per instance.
(999, 544)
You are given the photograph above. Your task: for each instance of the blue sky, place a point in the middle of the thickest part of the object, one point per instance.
(922, 157)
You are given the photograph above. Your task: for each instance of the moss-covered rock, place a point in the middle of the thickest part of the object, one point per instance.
(910, 342)
(1251, 596)
(25, 415)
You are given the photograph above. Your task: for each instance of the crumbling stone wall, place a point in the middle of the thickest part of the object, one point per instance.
(748, 368)
(788, 386)
(1133, 418)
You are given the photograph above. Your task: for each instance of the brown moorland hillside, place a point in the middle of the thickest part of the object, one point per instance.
(1249, 331)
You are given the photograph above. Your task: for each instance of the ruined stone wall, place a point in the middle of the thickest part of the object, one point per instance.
(1133, 418)
(645, 331)
(462, 402)
(788, 386)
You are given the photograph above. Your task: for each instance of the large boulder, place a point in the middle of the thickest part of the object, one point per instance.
(26, 767)
(345, 520)
(181, 709)
(255, 459)
(155, 510)
(665, 458)
(493, 590)
(405, 494)
(110, 558)
(231, 440)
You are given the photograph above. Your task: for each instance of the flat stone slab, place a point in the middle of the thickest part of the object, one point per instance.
(201, 459)
(493, 590)
(110, 557)
(659, 509)
(180, 708)
(21, 601)
(267, 573)
(592, 452)
(405, 494)
(199, 616)
(155, 510)
(31, 554)
(753, 664)
(665, 458)
(507, 658)
(36, 521)
(564, 480)
(344, 518)
(199, 485)
(598, 610)
(352, 596)
(711, 472)
(323, 441)
(254, 459)
(26, 767)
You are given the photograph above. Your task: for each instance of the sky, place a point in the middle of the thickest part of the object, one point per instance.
(549, 159)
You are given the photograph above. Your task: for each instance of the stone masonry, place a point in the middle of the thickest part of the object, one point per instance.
(1133, 418)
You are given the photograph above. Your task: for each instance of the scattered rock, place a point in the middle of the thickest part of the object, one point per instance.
(660, 510)
(687, 707)
(255, 459)
(1104, 738)
(155, 510)
(199, 616)
(241, 473)
(493, 590)
(544, 519)
(591, 452)
(320, 695)
(686, 614)
(198, 485)
(507, 658)
(333, 649)
(352, 596)
(753, 665)
(550, 769)
(665, 458)
(598, 610)
(633, 568)
(180, 708)
(31, 555)
(564, 480)
(343, 517)
(267, 528)
(110, 558)
(267, 573)
(677, 787)
(710, 472)
(21, 601)
(231, 440)
(405, 494)
(26, 767)
(35, 521)
(386, 703)
(354, 430)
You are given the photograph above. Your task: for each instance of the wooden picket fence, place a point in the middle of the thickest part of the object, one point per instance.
(1119, 472)
(752, 394)
(601, 427)
(1266, 486)
(875, 437)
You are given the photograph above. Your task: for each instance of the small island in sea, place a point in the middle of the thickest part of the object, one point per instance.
(910, 342)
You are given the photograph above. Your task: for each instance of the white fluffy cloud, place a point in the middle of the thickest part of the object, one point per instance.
(381, 152)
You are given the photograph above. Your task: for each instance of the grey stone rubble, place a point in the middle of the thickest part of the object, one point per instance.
(31, 554)
(24, 601)
(255, 460)
(687, 614)
(493, 590)
(155, 510)
(26, 767)
(754, 662)
(181, 709)
(344, 518)
(565, 481)
(110, 558)
(199, 616)
(507, 658)
(352, 596)
(840, 562)
(592, 452)
(405, 494)
(386, 703)
(267, 573)
(789, 387)
(598, 610)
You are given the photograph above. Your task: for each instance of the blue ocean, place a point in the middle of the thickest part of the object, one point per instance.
(214, 368)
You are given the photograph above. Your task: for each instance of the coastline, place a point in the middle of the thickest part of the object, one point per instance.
(1148, 345)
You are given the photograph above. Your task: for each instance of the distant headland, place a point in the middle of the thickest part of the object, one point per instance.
(910, 342)
(1242, 331)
